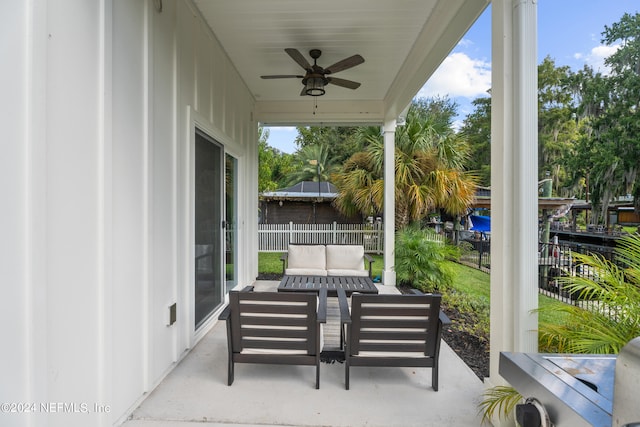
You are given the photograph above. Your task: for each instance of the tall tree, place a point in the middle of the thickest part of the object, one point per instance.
(429, 174)
(476, 129)
(557, 127)
(340, 142)
(273, 165)
(613, 101)
(313, 163)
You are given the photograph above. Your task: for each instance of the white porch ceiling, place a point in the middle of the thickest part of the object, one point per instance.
(402, 42)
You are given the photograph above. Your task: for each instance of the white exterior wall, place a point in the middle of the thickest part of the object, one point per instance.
(96, 185)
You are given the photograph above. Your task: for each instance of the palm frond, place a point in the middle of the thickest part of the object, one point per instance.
(612, 316)
(498, 401)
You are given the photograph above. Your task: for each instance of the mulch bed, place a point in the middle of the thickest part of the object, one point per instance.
(473, 350)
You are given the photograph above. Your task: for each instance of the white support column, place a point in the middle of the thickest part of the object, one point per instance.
(514, 154)
(389, 273)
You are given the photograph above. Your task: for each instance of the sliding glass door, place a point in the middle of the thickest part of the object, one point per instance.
(209, 232)
(231, 221)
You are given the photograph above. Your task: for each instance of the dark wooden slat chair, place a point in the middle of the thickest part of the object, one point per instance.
(274, 328)
(392, 330)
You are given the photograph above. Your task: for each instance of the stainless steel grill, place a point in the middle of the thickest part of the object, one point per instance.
(579, 390)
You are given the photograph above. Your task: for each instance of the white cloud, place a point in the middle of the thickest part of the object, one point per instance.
(596, 57)
(459, 76)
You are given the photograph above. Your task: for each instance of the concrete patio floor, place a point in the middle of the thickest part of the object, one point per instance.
(196, 392)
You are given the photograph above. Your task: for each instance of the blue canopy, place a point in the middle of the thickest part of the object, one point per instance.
(480, 223)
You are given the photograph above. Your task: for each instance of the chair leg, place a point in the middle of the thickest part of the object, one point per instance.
(230, 373)
(346, 374)
(434, 377)
(317, 373)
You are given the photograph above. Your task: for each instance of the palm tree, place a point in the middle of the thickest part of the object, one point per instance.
(314, 164)
(428, 172)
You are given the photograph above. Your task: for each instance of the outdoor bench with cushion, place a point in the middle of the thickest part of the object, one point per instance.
(275, 328)
(391, 330)
(326, 260)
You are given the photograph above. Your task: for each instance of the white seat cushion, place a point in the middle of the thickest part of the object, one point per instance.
(305, 272)
(345, 257)
(307, 257)
(346, 272)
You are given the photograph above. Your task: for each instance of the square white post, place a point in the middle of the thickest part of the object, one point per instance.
(389, 273)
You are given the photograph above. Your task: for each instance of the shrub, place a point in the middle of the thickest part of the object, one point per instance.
(420, 260)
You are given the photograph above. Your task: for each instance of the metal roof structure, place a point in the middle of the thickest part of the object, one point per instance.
(305, 190)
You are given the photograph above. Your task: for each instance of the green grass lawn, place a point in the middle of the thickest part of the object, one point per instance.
(269, 263)
(476, 284)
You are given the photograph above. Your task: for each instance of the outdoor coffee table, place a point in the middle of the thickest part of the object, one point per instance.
(350, 284)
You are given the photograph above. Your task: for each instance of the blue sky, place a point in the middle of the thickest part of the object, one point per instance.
(569, 31)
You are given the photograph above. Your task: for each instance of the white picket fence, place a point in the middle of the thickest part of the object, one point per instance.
(276, 237)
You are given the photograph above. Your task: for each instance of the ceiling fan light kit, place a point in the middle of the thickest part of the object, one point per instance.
(316, 78)
(314, 85)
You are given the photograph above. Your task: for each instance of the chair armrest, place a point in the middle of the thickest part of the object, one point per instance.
(226, 313)
(444, 319)
(248, 288)
(284, 258)
(415, 291)
(322, 306)
(370, 260)
(345, 315)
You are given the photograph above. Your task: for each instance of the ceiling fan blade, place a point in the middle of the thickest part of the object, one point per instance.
(349, 84)
(303, 92)
(297, 56)
(281, 76)
(346, 63)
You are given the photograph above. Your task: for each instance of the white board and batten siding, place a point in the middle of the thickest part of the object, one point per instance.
(98, 175)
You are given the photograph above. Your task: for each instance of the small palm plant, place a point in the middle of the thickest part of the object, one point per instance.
(499, 402)
(420, 260)
(601, 328)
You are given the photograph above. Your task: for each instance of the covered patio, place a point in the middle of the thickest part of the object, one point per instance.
(196, 392)
(126, 117)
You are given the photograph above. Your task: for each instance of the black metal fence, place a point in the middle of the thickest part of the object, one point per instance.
(555, 261)
(476, 253)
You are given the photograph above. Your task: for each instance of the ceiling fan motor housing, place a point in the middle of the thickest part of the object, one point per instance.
(315, 78)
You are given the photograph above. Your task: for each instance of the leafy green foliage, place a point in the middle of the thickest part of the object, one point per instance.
(273, 165)
(340, 142)
(614, 102)
(312, 163)
(613, 320)
(604, 330)
(557, 129)
(420, 260)
(589, 130)
(476, 129)
(429, 168)
(499, 401)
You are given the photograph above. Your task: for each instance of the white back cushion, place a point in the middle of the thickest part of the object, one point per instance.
(347, 257)
(307, 257)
